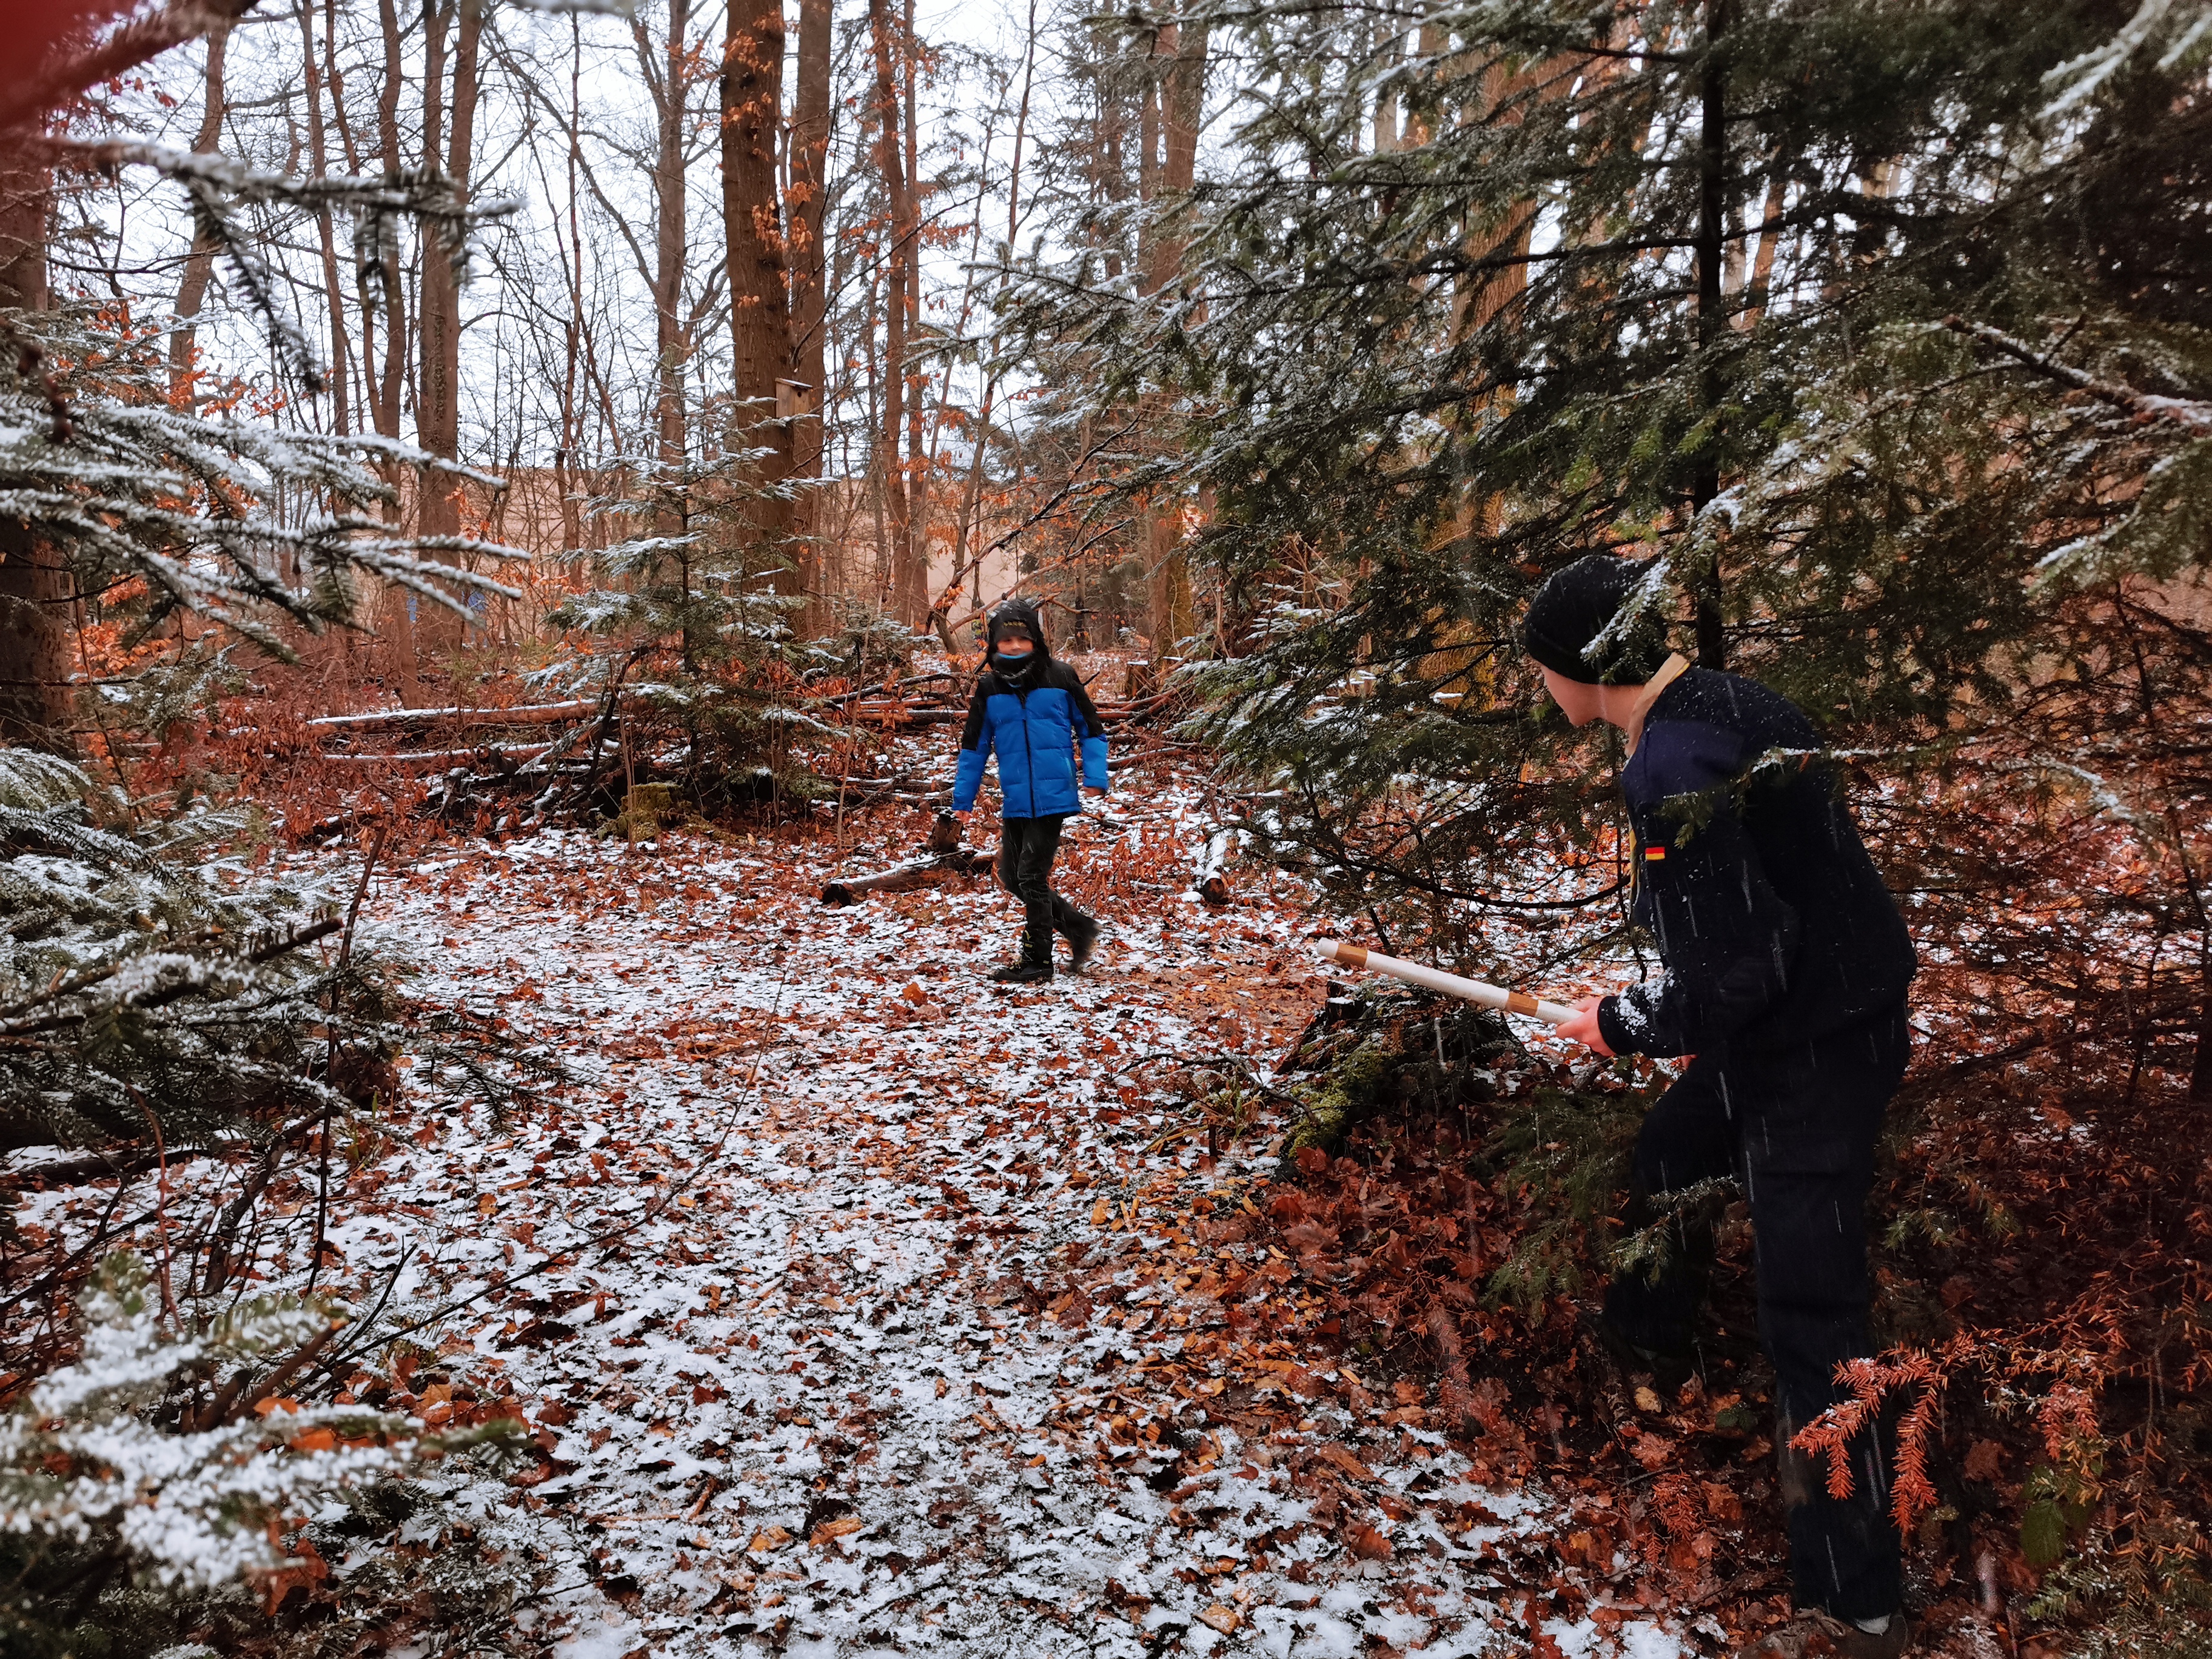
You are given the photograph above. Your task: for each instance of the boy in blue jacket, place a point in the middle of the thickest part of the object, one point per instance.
(1035, 712)
(1787, 965)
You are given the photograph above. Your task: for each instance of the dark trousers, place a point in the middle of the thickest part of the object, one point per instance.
(1797, 1127)
(1026, 850)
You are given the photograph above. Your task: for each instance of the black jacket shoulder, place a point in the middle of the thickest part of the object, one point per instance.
(1773, 921)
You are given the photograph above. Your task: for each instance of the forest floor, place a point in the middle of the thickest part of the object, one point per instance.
(851, 1331)
(851, 1303)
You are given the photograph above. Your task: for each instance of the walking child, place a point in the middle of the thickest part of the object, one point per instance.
(1786, 968)
(1035, 713)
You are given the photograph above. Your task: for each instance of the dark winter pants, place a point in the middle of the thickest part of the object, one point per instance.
(1025, 856)
(1798, 1128)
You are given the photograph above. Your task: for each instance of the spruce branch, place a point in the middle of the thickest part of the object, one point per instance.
(2194, 414)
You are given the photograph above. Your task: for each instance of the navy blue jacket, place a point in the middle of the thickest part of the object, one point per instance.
(1772, 921)
(1034, 726)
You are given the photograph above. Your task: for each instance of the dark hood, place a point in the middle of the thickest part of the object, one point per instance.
(1022, 611)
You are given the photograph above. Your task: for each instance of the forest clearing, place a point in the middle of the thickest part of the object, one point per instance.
(857, 827)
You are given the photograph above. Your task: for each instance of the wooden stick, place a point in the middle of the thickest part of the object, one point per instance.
(1434, 979)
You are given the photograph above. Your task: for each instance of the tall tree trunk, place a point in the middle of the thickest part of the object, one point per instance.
(1181, 90)
(810, 288)
(318, 158)
(398, 619)
(1712, 318)
(910, 596)
(671, 341)
(917, 458)
(752, 221)
(1770, 237)
(437, 409)
(567, 467)
(199, 266)
(34, 587)
(968, 527)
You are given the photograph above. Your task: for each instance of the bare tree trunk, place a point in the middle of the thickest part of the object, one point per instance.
(968, 528)
(809, 289)
(910, 595)
(671, 341)
(568, 472)
(879, 474)
(1180, 94)
(34, 587)
(1387, 136)
(397, 622)
(1770, 238)
(917, 458)
(437, 409)
(752, 216)
(318, 158)
(199, 267)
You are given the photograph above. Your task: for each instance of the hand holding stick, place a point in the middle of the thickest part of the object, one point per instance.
(1434, 979)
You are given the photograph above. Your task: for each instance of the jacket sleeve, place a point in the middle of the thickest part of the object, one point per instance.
(1090, 733)
(975, 750)
(1728, 941)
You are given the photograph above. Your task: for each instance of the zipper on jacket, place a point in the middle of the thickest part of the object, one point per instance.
(1029, 755)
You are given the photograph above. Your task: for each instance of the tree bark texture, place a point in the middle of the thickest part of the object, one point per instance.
(438, 410)
(810, 288)
(381, 382)
(199, 266)
(910, 585)
(319, 158)
(1178, 90)
(34, 587)
(752, 216)
(671, 341)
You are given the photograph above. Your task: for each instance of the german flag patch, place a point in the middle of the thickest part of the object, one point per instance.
(1654, 854)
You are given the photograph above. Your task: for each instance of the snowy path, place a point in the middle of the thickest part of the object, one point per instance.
(859, 1306)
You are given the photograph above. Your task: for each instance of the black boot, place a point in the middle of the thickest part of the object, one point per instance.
(1082, 941)
(1034, 965)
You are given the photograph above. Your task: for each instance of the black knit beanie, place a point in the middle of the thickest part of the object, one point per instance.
(1015, 620)
(1573, 607)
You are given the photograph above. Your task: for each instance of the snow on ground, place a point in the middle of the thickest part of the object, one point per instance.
(839, 1286)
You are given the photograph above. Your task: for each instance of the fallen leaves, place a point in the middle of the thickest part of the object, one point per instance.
(1346, 1462)
(1370, 1545)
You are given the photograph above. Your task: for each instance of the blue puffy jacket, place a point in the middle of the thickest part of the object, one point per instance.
(1034, 724)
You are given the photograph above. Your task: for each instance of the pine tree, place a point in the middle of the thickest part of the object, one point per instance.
(150, 988)
(692, 623)
(139, 1482)
(1878, 332)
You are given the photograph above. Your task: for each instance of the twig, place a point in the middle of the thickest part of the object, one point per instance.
(345, 955)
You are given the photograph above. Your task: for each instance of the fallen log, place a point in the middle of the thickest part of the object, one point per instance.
(388, 720)
(892, 714)
(944, 857)
(877, 691)
(886, 715)
(914, 873)
(439, 758)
